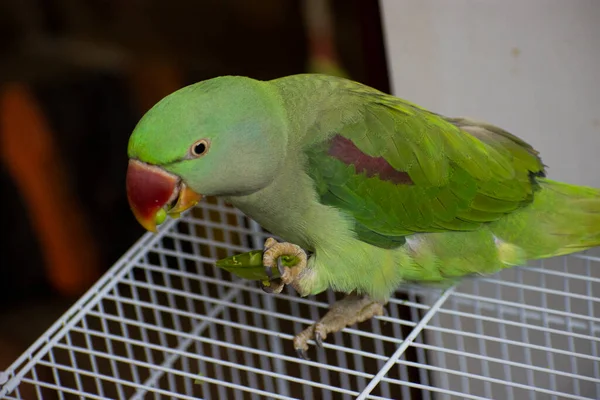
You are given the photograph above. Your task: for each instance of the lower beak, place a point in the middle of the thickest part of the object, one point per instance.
(153, 193)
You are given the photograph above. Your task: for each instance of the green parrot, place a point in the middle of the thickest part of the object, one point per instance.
(369, 191)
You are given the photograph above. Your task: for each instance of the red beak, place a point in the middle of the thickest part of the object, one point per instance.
(151, 189)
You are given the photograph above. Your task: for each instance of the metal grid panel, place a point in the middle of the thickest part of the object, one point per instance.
(165, 323)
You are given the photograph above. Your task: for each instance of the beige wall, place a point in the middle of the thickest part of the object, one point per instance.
(532, 67)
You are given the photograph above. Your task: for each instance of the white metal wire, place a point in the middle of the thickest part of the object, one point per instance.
(165, 323)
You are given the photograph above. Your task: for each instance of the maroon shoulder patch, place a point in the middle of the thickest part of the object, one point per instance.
(344, 150)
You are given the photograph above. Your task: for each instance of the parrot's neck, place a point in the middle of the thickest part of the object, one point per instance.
(314, 114)
(289, 208)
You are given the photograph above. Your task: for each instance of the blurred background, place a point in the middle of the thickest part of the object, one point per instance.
(76, 76)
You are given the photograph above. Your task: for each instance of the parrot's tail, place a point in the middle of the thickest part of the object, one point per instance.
(562, 219)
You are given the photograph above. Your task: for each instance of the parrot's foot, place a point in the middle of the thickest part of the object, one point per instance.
(274, 250)
(348, 311)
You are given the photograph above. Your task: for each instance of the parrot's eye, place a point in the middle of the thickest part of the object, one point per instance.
(199, 148)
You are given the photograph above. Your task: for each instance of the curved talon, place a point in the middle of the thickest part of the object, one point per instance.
(319, 339)
(280, 267)
(302, 354)
(275, 286)
(269, 272)
(266, 289)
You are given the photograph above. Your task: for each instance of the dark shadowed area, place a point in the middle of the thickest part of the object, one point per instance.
(75, 77)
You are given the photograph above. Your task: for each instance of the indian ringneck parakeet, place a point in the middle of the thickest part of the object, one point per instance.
(368, 190)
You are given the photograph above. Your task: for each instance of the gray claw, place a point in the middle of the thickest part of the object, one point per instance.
(270, 289)
(319, 340)
(302, 354)
(269, 272)
(280, 266)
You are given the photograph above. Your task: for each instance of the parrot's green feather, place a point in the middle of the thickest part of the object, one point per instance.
(378, 189)
(462, 174)
(563, 218)
(474, 201)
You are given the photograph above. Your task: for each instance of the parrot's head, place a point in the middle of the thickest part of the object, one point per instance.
(226, 136)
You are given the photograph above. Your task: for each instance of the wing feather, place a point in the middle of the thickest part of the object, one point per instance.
(460, 173)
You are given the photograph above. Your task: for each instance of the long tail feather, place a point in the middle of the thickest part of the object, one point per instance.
(562, 219)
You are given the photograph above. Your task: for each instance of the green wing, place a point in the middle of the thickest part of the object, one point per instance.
(458, 173)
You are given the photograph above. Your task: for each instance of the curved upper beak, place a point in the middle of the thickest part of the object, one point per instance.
(151, 189)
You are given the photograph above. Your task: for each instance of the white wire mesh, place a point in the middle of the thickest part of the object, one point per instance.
(165, 323)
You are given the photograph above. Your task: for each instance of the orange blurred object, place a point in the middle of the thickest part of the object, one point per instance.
(28, 149)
